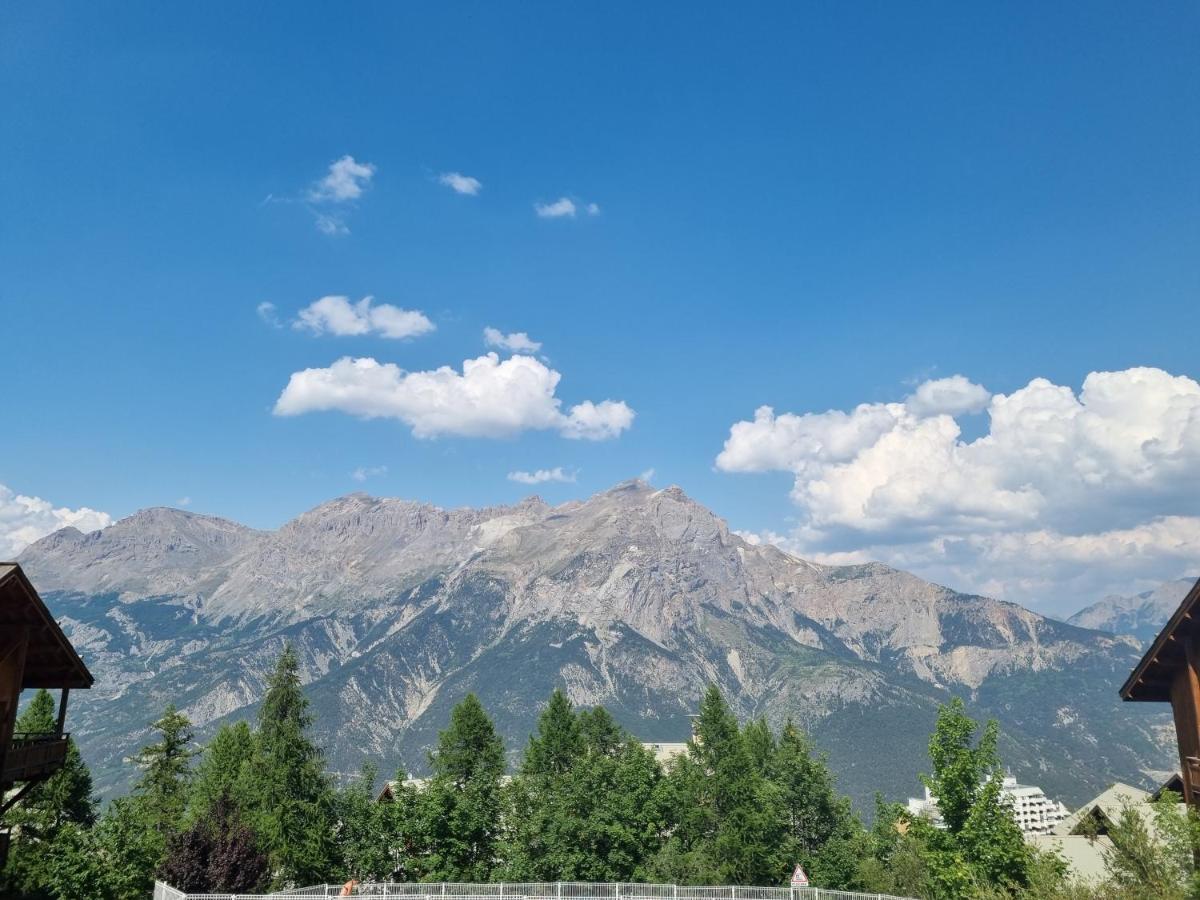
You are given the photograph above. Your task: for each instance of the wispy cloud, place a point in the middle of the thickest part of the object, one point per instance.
(514, 342)
(461, 184)
(329, 198)
(336, 315)
(268, 313)
(184, 501)
(543, 475)
(362, 473)
(331, 223)
(563, 207)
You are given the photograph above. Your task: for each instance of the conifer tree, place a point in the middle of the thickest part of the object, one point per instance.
(161, 792)
(726, 827)
(760, 743)
(819, 827)
(75, 867)
(557, 743)
(129, 849)
(584, 812)
(288, 796)
(599, 732)
(225, 768)
(612, 789)
(459, 811)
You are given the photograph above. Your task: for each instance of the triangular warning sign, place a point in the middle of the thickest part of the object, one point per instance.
(799, 879)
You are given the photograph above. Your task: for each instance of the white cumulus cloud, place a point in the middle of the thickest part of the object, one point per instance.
(1064, 493)
(24, 520)
(515, 342)
(338, 316)
(543, 475)
(346, 180)
(488, 398)
(461, 184)
(953, 396)
(597, 421)
(563, 207)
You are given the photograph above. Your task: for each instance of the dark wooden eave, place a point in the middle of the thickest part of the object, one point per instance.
(1152, 678)
(50, 660)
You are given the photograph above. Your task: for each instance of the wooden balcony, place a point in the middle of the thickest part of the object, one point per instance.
(33, 757)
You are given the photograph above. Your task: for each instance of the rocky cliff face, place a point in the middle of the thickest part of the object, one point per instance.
(636, 598)
(1142, 616)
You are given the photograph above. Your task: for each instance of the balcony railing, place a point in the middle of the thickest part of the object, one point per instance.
(34, 756)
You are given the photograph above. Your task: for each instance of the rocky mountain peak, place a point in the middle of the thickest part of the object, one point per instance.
(1141, 615)
(634, 597)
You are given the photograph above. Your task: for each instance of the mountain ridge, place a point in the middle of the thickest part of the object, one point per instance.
(635, 597)
(1141, 615)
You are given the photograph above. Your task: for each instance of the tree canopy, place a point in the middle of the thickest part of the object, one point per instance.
(256, 810)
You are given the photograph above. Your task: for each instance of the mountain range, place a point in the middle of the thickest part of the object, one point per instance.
(635, 598)
(1141, 615)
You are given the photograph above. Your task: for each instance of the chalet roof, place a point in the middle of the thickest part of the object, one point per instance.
(1084, 856)
(50, 660)
(1151, 678)
(1107, 807)
(1174, 784)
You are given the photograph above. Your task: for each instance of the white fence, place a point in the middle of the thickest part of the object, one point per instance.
(560, 890)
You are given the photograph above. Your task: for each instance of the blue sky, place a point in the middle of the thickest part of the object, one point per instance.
(803, 206)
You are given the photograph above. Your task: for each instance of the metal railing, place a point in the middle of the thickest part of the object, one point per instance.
(558, 890)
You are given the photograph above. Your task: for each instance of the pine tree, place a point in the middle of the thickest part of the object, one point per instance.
(129, 849)
(287, 794)
(132, 835)
(716, 733)
(760, 743)
(612, 790)
(459, 811)
(225, 768)
(726, 821)
(470, 748)
(820, 830)
(743, 846)
(582, 806)
(557, 743)
(161, 792)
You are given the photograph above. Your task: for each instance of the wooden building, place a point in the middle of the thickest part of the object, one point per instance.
(34, 653)
(1170, 673)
